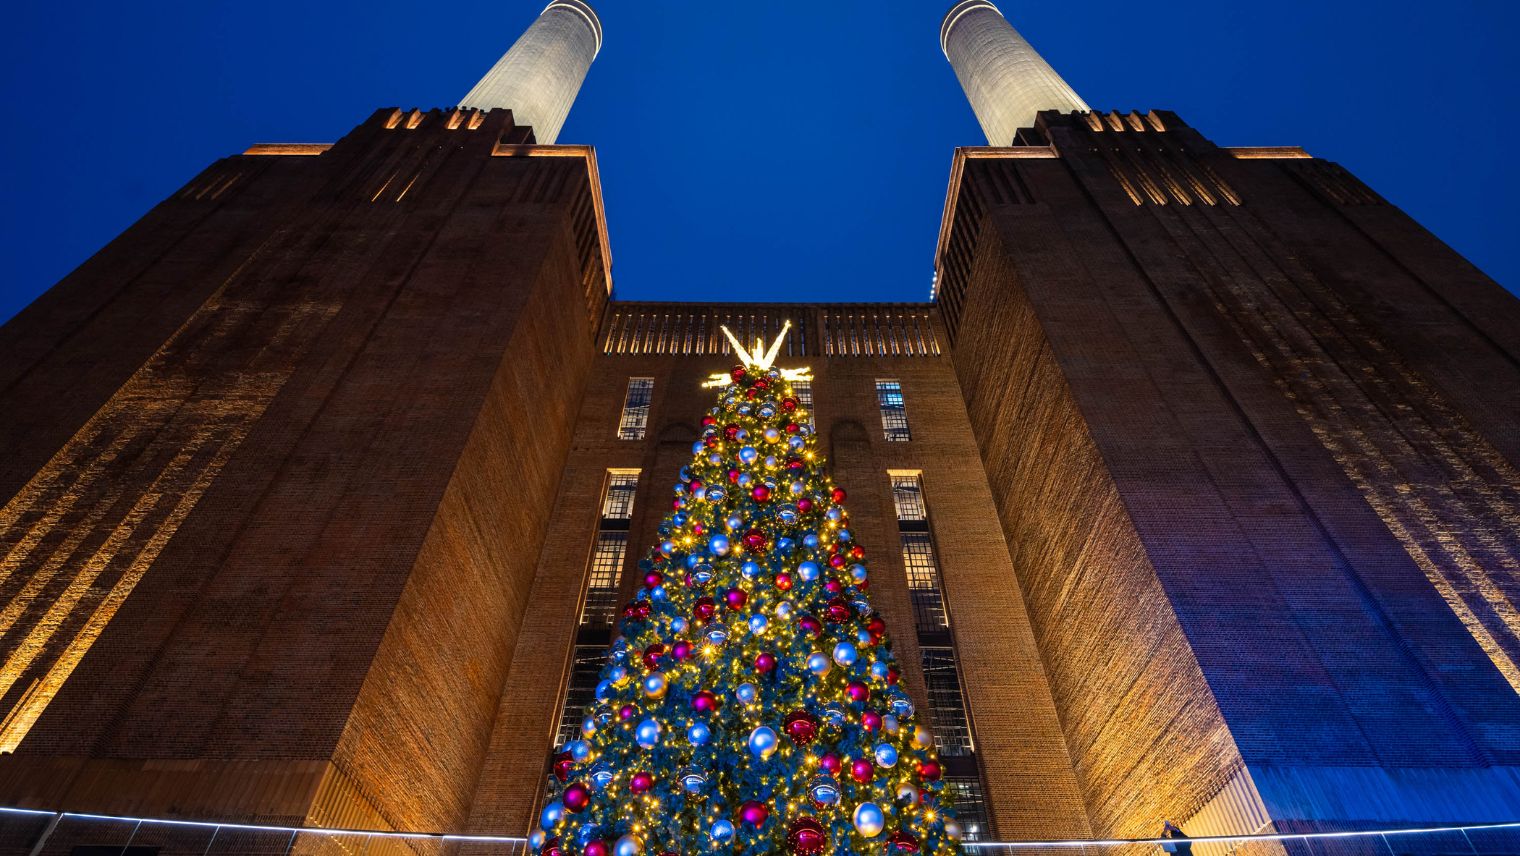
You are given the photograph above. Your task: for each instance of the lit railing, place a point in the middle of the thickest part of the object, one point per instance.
(44, 833)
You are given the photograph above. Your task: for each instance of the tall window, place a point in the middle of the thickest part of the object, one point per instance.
(636, 408)
(894, 412)
(803, 389)
(610, 548)
(936, 649)
(970, 805)
(585, 671)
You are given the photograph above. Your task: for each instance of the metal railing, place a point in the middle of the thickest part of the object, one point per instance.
(37, 832)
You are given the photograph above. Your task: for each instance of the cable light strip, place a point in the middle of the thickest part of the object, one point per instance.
(979, 845)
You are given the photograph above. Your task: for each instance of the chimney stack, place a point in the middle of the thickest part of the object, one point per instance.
(539, 77)
(1006, 82)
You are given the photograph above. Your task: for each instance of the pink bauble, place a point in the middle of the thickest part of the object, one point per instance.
(857, 691)
(654, 578)
(577, 796)
(597, 848)
(754, 813)
(735, 598)
(811, 625)
(761, 493)
(765, 661)
(861, 770)
(627, 711)
(870, 721)
(929, 770)
(703, 701)
(640, 782)
(681, 649)
(830, 764)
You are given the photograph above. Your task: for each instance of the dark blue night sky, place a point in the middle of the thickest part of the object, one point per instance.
(771, 151)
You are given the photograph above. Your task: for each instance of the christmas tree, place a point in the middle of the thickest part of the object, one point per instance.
(751, 703)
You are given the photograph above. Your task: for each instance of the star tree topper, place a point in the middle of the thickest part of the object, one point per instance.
(760, 359)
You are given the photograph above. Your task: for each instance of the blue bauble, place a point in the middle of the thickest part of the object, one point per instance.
(787, 515)
(762, 742)
(658, 594)
(771, 435)
(869, 820)
(698, 734)
(601, 775)
(604, 690)
(745, 480)
(886, 755)
(678, 625)
(785, 545)
(748, 454)
(655, 685)
(618, 675)
(696, 448)
(833, 713)
(722, 832)
(902, 707)
(718, 545)
(818, 664)
(588, 726)
(796, 488)
(743, 433)
(784, 610)
(880, 670)
(862, 637)
(536, 839)
(835, 513)
(693, 780)
(844, 654)
(734, 521)
(552, 814)
(692, 560)
(746, 693)
(750, 570)
(758, 622)
(810, 540)
(824, 790)
(580, 750)
(715, 458)
(715, 494)
(844, 535)
(647, 734)
(667, 547)
(858, 573)
(808, 571)
(628, 846)
(716, 634)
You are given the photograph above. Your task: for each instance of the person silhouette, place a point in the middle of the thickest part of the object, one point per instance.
(1177, 845)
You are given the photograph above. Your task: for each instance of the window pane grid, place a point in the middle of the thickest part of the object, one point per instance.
(618, 504)
(636, 408)
(606, 568)
(908, 496)
(802, 389)
(894, 411)
(952, 730)
(970, 805)
(923, 583)
(584, 674)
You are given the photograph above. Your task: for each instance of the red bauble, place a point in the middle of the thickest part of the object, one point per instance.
(735, 598)
(563, 764)
(801, 726)
(703, 701)
(627, 711)
(876, 627)
(929, 771)
(754, 813)
(653, 579)
(788, 404)
(638, 610)
(681, 649)
(811, 625)
(836, 561)
(793, 428)
(857, 552)
(577, 796)
(761, 493)
(830, 764)
(833, 586)
(652, 656)
(838, 611)
(804, 505)
(765, 661)
(737, 373)
(597, 848)
(806, 836)
(893, 674)
(902, 841)
(730, 431)
(704, 609)
(870, 720)
(708, 421)
(784, 581)
(640, 782)
(733, 475)
(861, 770)
(752, 394)
(754, 540)
(838, 494)
(857, 691)
(551, 848)
(710, 441)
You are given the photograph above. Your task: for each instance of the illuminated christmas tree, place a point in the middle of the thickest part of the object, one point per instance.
(751, 703)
